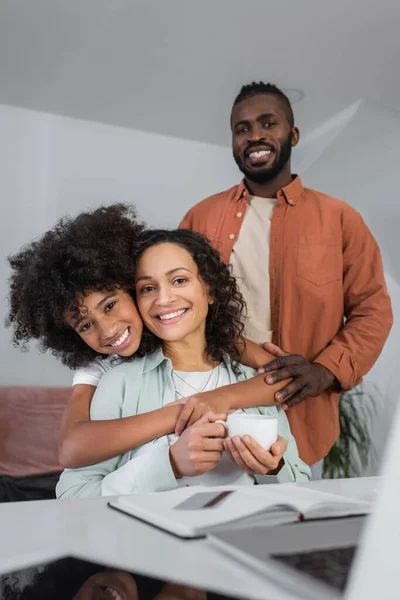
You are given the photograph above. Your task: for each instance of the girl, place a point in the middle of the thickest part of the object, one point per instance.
(191, 309)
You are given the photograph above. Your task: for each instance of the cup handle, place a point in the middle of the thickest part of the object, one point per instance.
(224, 423)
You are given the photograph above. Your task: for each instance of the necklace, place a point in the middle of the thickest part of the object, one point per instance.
(175, 374)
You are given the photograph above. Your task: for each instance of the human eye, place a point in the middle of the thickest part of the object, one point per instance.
(110, 305)
(179, 280)
(242, 129)
(85, 327)
(146, 289)
(269, 124)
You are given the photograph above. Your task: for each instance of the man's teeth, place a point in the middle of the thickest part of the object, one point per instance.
(121, 339)
(113, 593)
(172, 315)
(259, 154)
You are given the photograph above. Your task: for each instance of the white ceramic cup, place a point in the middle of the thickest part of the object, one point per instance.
(262, 428)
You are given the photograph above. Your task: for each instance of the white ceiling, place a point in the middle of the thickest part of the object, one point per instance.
(174, 66)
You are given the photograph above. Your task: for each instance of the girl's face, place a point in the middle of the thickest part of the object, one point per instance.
(172, 298)
(108, 322)
(110, 585)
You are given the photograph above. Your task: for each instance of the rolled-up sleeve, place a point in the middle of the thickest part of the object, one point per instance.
(367, 306)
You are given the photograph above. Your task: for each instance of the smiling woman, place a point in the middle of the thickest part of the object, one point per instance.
(191, 309)
(173, 302)
(179, 272)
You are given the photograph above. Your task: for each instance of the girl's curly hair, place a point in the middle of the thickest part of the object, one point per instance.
(93, 251)
(224, 319)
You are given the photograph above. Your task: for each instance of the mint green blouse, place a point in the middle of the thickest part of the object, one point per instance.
(141, 386)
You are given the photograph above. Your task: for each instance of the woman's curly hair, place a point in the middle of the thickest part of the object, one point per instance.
(93, 251)
(224, 319)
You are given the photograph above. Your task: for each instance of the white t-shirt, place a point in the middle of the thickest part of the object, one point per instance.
(93, 372)
(250, 266)
(187, 384)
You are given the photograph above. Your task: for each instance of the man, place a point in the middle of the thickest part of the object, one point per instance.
(308, 266)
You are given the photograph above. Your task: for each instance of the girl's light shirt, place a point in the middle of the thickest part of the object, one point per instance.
(94, 371)
(143, 385)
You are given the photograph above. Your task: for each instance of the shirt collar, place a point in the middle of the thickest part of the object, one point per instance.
(153, 360)
(291, 193)
(241, 191)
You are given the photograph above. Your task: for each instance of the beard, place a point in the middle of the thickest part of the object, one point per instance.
(265, 174)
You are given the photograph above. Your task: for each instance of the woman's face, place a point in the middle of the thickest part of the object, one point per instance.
(110, 585)
(172, 298)
(108, 322)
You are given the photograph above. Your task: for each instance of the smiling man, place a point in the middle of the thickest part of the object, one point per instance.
(307, 265)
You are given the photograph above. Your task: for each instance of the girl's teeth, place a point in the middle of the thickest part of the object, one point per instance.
(177, 313)
(121, 339)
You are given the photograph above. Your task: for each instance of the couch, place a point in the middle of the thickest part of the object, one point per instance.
(30, 420)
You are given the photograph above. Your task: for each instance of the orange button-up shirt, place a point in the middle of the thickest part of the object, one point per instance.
(329, 301)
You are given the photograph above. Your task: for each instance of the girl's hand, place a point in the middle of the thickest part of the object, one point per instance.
(197, 406)
(179, 401)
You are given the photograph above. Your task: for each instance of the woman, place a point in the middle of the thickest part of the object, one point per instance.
(191, 308)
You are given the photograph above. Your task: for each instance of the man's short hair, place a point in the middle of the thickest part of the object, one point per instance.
(256, 88)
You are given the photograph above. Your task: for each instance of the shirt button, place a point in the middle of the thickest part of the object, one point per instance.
(231, 236)
(239, 214)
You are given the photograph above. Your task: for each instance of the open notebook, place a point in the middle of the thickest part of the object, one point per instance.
(196, 511)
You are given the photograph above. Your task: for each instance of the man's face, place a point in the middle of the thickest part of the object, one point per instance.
(262, 137)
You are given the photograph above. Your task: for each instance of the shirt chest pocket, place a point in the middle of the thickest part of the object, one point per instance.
(320, 259)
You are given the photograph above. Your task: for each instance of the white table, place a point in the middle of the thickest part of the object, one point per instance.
(33, 533)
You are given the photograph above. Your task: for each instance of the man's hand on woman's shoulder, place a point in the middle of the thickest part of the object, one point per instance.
(309, 379)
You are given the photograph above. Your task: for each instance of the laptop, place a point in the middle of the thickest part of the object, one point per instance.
(353, 558)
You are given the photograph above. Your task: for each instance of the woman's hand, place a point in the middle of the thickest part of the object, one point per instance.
(252, 457)
(199, 448)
